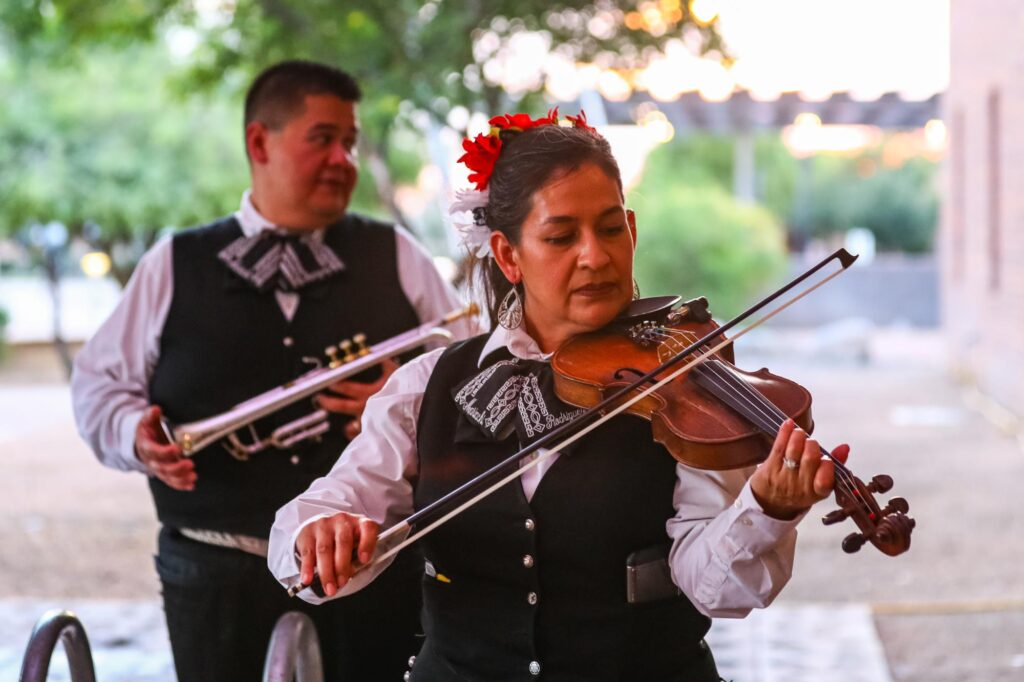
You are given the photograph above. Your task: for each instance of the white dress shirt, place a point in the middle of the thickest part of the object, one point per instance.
(110, 381)
(727, 555)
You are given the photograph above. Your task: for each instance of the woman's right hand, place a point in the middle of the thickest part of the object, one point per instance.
(330, 546)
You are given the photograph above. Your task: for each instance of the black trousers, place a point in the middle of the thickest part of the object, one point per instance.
(222, 604)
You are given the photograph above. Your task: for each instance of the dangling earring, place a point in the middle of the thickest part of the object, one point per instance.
(636, 290)
(510, 312)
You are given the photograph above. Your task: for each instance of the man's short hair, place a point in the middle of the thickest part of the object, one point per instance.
(277, 94)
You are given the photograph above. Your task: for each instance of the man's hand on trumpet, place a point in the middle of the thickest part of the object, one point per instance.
(349, 397)
(162, 459)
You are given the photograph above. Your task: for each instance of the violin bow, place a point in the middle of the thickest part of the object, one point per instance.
(422, 522)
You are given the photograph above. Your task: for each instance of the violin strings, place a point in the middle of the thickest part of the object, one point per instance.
(738, 389)
(843, 475)
(755, 399)
(766, 414)
(770, 415)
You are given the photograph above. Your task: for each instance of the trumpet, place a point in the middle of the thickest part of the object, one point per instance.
(346, 359)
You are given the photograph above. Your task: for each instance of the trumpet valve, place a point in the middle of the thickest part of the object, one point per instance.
(346, 347)
(332, 353)
(360, 340)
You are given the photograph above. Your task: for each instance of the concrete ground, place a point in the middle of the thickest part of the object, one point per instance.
(951, 609)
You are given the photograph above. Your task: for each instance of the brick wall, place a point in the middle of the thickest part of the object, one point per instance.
(981, 240)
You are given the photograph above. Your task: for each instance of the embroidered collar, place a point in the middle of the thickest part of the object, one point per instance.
(267, 257)
(516, 394)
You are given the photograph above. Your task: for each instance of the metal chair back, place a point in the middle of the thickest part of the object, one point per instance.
(294, 651)
(58, 626)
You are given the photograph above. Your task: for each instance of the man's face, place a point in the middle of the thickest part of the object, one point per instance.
(307, 169)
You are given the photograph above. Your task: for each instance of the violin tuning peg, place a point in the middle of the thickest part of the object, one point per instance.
(853, 542)
(898, 505)
(835, 516)
(880, 484)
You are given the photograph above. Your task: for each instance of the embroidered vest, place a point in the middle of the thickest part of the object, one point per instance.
(225, 342)
(521, 588)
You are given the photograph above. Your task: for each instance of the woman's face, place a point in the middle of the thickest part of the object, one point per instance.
(574, 257)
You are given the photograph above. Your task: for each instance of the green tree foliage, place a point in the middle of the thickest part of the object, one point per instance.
(110, 133)
(102, 147)
(410, 55)
(827, 194)
(427, 53)
(898, 204)
(695, 239)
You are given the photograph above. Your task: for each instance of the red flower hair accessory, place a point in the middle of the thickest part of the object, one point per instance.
(482, 152)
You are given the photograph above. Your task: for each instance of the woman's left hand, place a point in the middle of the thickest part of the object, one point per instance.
(794, 476)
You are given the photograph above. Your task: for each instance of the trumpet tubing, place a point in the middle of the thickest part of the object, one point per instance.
(194, 436)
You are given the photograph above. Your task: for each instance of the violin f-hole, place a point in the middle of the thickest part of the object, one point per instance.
(620, 374)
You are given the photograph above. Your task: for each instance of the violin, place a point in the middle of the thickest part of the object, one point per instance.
(715, 415)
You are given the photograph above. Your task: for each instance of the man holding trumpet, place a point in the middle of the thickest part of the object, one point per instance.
(218, 314)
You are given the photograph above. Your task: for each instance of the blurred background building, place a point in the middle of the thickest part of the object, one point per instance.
(982, 236)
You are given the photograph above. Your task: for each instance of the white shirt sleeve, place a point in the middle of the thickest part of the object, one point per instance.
(423, 285)
(110, 379)
(371, 478)
(727, 555)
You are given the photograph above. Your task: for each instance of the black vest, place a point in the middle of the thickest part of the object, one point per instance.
(543, 581)
(224, 342)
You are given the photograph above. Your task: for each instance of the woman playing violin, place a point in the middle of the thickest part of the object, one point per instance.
(532, 580)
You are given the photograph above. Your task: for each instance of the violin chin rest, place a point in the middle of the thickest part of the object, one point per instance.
(648, 308)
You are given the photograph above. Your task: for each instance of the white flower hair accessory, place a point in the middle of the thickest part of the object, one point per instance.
(474, 235)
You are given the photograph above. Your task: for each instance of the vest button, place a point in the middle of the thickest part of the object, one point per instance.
(294, 459)
(528, 561)
(407, 676)
(412, 661)
(288, 341)
(534, 668)
(530, 525)
(531, 598)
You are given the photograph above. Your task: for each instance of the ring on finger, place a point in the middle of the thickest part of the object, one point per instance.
(791, 464)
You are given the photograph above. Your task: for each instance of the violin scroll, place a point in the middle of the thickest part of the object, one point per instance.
(888, 528)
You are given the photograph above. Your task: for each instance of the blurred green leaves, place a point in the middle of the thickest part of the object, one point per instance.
(125, 115)
(428, 54)
(104, 142)
(695, 239)
(898, 203)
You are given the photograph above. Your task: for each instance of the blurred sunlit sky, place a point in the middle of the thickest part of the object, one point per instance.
(814, 47)
(866, 47)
